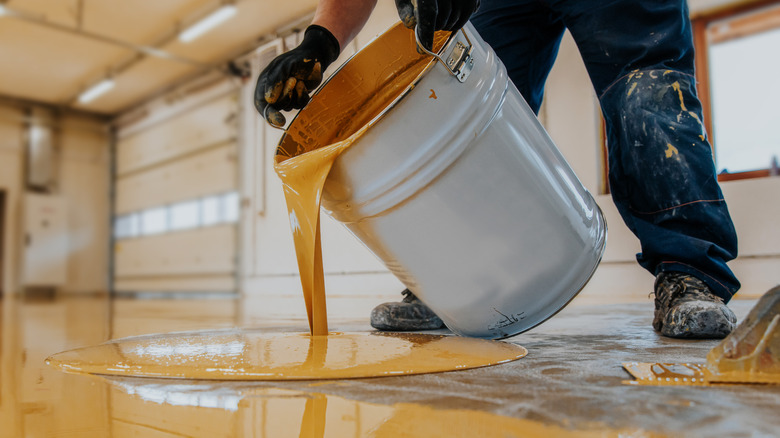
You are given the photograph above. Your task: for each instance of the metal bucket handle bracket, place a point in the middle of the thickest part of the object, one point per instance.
(460, 62)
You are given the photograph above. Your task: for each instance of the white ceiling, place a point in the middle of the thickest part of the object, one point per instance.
(52, 50)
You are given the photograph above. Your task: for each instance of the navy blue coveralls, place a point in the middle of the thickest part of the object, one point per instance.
(639, 56)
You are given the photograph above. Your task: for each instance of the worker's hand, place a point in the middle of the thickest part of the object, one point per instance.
(287, 81)
(433, 15)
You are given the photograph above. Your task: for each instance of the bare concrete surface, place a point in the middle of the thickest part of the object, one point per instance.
(570, 384)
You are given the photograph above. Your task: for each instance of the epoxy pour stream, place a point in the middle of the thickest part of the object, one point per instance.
(303, 162)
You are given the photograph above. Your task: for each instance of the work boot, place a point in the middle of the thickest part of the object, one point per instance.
(410, 314)
(686, 308)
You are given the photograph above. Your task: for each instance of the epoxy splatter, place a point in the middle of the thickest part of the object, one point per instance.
(672, 151)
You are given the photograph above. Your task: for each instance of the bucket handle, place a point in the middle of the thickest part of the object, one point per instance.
(460, 62)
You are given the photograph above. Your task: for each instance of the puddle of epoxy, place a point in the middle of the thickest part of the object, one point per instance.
(263, 355)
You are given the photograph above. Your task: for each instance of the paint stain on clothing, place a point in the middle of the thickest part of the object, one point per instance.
(671, 151)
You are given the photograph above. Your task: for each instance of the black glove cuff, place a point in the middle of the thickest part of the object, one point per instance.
(321, 40)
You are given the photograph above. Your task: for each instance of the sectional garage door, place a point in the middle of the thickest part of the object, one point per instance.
(176, 203)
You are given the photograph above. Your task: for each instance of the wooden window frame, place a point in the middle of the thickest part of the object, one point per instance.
(700, 23)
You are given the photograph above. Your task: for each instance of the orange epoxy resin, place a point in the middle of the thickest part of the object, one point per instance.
(347, 107)
(263, 355)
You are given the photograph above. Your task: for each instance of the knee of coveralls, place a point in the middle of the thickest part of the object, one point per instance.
(662, 177)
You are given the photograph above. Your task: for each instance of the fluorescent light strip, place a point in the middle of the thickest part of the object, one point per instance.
(211, 21)
(96, 90)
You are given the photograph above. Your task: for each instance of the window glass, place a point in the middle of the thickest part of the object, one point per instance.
(126, 226)
(185, 215)
(210, 210)
(745, 92)
(154, 221)
(230, 207)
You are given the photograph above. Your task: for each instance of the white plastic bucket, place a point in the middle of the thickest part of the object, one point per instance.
(457, 188)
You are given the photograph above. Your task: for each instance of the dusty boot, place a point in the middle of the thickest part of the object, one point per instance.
(409, 314)
(685, 308)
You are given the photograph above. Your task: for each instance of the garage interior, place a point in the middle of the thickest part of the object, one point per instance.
(138, 196)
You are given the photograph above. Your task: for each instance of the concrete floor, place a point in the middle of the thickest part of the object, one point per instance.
(570, 384)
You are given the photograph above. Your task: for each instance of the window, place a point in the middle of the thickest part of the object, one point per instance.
(230, 207)
(737, 67)
(154, 221)
(211, 211)
(126, 226)
(202, 212)
(185, 215)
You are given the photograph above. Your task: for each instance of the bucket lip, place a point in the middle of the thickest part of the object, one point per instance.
(394, 102)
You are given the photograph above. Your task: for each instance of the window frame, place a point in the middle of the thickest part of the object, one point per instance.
(700, 23)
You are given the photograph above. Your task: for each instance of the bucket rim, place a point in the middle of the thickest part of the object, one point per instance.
(380, 115)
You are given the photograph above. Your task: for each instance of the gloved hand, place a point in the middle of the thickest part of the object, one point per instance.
(433, 15)
(287, 81)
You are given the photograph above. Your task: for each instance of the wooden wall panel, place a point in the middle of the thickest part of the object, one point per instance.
(206, 173)
(198, 252)
(183, 134)
(178, 284)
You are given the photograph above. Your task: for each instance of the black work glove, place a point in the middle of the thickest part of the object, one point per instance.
(287, 81)
(433, 15)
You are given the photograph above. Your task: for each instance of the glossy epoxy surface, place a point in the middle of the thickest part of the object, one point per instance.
(257, 354)
(570, 384)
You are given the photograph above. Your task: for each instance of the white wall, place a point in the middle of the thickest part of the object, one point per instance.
(83, 175)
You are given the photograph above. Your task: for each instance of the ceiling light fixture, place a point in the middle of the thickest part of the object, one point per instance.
(96, 90)
(207, 23)
(3, 10)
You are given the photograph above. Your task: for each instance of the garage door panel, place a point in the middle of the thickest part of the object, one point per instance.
(207, 173)
(204, 251)
(198, 128)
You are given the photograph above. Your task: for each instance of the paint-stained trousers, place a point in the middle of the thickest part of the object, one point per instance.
(639, 55)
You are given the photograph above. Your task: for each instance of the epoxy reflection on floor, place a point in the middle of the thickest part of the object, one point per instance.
(569, 385)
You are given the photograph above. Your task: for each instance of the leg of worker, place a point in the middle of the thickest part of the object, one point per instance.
(639, 54)
(525, 36)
